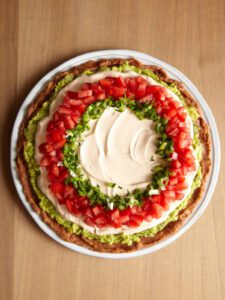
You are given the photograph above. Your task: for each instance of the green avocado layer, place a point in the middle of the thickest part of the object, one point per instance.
(34, 172)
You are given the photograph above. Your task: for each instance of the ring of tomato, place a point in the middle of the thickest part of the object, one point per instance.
(67, 117)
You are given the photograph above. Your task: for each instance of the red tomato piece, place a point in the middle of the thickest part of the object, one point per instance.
(140, 80)
(100, 95)
(106, 82)
(56, 187)
(175, 164)
(88, 213)
(114, 214)
(55, 170)
(141, 91)
(68, 190)
(118, 91)
(101, 220)
(85, 86)
(63, 174)
(59, 144)
(56, 116)
(90, 221)
(146, 98)
(125, 215)
(45, 161)
(173, 180)
(130, 95)
(97, 210)
(135, 221)
(83, 94)
(155, 198)
(45, 148)
(89, 100)
(181, 186)
(72, 95)
(179, 196)
(65, 110)
(69, 122)
(169, 195)
(81, 108)
(132, 85)
(74, 102)
(120, 81)
(156, 210)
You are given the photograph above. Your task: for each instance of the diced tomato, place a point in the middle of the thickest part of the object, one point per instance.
(132, 85)
(83, 94)
(65, 110)
(175, 164)
(88, 212)
(59, 144)
(55, 170)
(63, 174)
(81, 108)
(45, 161)
(181, 186)
(125, 215)
(54, 136)
(56, 116)
(120, 81)
(106, 82)
(172, 112)
(182, 143)
(174, 104)
(135, 209)
(100, 95)
(69, 122)
(45, 148)
(146, 99)
(96, 88)
(173, 180)
(68, 190)
(135, 221)
(156, 210)
(155, 198)
(182, 115)
(101, 220)
(90, 221)
(140, 80)
(114, 214)
(165, 203)
(130, 95)
(83, 202)
(118, 91)
(89, 100)
(169, 195)
(74, 102)
(180, 179)
(56, 187)
(97, 210)
(141, 91)
(160, 95)
(147, 217)
(179, 196)
(50, 125)
(72, 95)
(85, 86)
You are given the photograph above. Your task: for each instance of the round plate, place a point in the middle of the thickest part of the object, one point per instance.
(173, 73)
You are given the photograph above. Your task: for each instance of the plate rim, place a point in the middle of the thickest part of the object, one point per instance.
(148, 59)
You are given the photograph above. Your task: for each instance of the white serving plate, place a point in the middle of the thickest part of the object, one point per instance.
(173, 73)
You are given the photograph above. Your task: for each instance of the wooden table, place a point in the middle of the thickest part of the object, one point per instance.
(36, 36)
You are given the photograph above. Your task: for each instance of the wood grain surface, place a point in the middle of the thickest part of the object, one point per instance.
(36, 36)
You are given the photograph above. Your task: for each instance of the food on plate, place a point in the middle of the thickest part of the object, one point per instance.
(113, 155)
